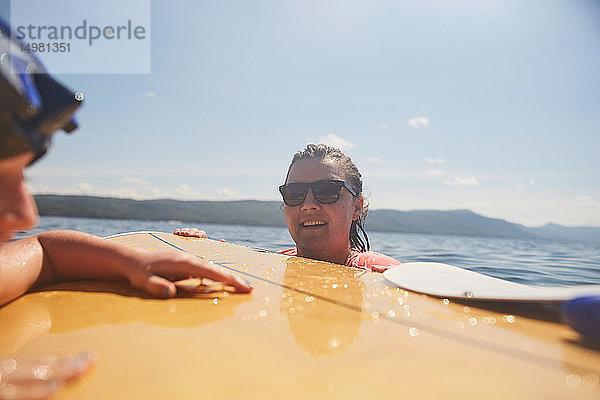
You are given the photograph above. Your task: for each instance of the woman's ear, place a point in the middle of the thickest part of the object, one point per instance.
(358, 206)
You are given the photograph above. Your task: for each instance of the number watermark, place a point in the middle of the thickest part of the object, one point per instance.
(83, 36)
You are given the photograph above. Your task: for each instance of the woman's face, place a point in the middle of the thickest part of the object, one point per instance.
(321, 231)
(17, 207)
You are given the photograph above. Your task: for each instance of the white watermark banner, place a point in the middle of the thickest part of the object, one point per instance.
(85, 36)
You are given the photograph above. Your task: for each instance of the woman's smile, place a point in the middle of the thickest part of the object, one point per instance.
(314, 224)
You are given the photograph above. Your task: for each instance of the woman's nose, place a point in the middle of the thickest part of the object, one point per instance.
(309, 202)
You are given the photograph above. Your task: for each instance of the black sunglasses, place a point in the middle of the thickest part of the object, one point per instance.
(326, 191)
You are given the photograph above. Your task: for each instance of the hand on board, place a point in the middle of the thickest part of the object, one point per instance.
(40, 378)
(60, 256)
(156, 273)
(381, 268)
(190, 232)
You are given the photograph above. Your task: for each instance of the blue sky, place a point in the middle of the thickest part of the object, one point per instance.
(486, 105)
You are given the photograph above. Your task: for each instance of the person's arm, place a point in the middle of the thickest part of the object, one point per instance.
(58, 256)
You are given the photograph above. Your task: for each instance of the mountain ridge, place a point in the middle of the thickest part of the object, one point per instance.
(268, 213)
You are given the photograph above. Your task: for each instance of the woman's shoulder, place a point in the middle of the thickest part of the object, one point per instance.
(371, 260)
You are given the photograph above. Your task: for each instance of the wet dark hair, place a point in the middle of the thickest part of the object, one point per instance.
(352, 176)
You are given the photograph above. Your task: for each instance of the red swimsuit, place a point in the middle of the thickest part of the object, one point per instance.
(363, 260)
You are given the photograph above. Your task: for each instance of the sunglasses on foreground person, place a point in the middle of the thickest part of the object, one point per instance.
(32, 107)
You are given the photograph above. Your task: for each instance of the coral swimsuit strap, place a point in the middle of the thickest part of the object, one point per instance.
(363, 260)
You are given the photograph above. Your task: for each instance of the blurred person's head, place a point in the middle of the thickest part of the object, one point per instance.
(32, 107)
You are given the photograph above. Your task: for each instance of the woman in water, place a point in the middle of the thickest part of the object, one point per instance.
(325, 210)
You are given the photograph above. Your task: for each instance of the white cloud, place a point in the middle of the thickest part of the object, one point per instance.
(84, 188)
(458, 181)
(585, 211)
(88, 190)
(226, 194)
(384, 125)
(588, 201)
(144, 189)
(529, 182)
(137, 181)
(154, 170)
(419, 122)
(151, 93)
(124, 193)
(336, 141)
(437, 160)
(186, 192)
(153, 190)
(436, 172)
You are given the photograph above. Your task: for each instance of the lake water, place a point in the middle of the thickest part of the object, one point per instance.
(536, 262)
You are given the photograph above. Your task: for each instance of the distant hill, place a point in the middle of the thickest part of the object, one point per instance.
(268, 213)
(559, 232)
(457, 222)
(245, 212)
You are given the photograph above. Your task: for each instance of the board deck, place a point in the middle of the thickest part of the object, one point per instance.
(309, 330)
(448, 281)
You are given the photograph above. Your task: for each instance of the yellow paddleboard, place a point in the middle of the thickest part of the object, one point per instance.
(309, 330)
